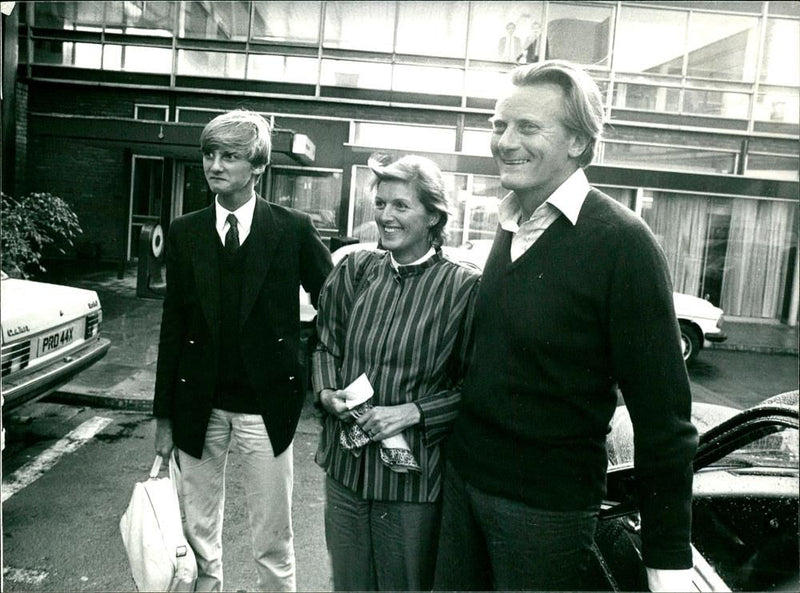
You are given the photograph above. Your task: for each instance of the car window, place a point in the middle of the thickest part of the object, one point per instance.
(774, 451)
(745, 514)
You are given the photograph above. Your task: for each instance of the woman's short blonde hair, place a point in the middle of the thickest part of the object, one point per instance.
(425, 177)
(584, 103)
(241, 130)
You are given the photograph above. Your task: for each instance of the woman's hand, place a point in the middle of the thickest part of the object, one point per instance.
(333, 400)
(382, 422)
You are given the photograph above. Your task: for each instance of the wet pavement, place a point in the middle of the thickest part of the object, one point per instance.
(126, 376)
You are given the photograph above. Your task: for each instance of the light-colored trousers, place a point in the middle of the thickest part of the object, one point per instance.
(268, 486)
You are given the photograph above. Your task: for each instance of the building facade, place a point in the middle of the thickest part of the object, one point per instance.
(107, 99)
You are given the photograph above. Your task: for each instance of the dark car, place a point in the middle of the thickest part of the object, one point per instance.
(50, 334)
(745, 508)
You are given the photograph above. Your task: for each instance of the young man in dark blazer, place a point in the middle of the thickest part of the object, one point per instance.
(228, 364)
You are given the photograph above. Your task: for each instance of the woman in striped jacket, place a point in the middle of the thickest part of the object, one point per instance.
(394, 324)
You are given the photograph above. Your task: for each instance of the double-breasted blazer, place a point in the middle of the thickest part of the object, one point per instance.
(285, 251)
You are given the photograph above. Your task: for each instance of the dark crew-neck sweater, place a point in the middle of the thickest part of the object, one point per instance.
(233, 391)
(588, 308)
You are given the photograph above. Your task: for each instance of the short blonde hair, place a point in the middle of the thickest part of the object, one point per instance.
(584, 103)
(425, 177)
(245, 131)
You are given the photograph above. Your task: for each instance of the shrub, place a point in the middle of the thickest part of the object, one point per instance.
(29, 225)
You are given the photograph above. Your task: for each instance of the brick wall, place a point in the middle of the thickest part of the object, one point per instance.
(21, 138)
(90, 178)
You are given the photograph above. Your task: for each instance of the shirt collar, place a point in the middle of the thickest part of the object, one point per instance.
(568, 198)
(244, 214)
(431, 252)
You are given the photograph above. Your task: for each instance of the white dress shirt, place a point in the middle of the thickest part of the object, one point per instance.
(567, 199)
(244, 218)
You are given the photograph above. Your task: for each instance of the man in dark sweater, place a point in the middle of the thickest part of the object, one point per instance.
(575, 304)
(228, 373)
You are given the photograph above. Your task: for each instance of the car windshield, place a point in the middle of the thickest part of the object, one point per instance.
(775, 451)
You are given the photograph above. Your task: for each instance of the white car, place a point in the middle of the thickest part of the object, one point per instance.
(700, 322)
(50, 334)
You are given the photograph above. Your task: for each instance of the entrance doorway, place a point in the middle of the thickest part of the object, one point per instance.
(191, 190)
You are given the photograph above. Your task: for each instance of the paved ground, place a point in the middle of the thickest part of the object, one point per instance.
(126, 376)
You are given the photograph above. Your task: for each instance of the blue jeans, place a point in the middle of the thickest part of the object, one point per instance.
(489, 542)
(379, 545)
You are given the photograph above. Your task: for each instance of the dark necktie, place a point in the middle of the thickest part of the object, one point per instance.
(232, 237)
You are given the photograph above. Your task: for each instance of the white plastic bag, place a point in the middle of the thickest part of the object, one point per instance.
(152, 531)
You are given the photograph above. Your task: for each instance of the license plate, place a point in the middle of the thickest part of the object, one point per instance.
(58, 339)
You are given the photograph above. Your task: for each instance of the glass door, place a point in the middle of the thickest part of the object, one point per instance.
(191, 191)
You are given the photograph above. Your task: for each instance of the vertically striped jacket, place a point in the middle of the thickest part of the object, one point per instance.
(409, 330)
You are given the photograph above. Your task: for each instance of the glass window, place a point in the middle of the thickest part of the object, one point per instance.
(66, 53)
(673, 158)
(716, 102)
(360, 25)
(83, 16)
(455, 188)
(579, 33)
(141, 18)
(215, 20)
(193, 115)
(282, 68)
(423, 79)
(781, 62)
(404, 137)
(476, 142)
(132, 58)
(46, 51)
(777, 105)
(650, 40)
(146, 196)
(209, 63)
(361, 223)
(345, 73)
(480, 207)
(432, 28)
(773, 166)
(151, 112)
(484, 83)
(651, 98)
(505, 31)
(317, 193)
(286, 21)
(736, 249)
(624, 195)
(722, 46)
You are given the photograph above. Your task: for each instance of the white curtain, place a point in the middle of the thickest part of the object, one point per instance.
(757, 258)
(680, 225)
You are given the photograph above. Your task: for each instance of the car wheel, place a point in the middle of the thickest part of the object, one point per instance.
(690, 342)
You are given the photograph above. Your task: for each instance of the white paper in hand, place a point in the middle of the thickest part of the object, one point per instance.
(358, 392)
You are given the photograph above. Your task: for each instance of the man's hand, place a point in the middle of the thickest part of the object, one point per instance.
(164, 444)
(333, 400)
(382, 422)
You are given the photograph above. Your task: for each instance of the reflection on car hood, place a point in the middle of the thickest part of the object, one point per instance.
(30, 307)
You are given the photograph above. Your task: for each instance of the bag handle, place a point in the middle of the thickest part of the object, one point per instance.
(156, 467)
(174, 469)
